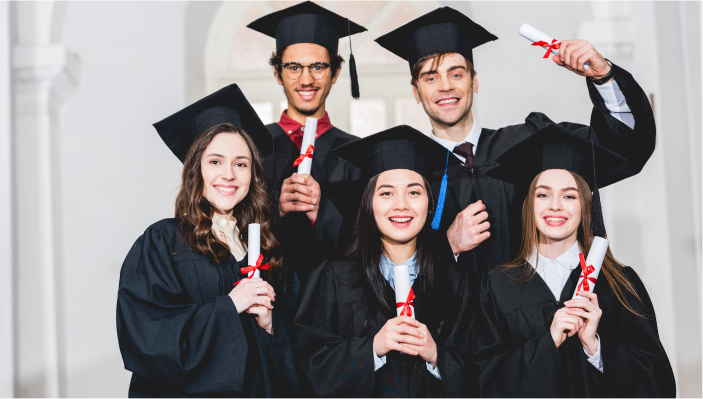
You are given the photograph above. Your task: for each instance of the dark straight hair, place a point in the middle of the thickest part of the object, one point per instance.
(366, 249)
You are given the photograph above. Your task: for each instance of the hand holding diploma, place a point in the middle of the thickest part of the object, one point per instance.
(300, 192)
(304, 161)
(578, 56)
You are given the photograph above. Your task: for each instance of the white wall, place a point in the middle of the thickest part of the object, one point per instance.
(117, 176)
(6, 261)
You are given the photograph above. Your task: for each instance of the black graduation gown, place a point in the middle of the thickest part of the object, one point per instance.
(518, 358)
(334, 350)
(180, 333)
(305, 245)
(504, 201)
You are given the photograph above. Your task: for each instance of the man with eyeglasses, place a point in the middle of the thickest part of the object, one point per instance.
(317, 211)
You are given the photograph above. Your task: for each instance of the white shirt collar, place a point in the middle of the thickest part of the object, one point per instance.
(472, 138)
(569, 259)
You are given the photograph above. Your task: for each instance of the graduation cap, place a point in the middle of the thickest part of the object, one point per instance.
(442, 30)
(400, 147)
(228, 105)
(309, 23)
(554, 148)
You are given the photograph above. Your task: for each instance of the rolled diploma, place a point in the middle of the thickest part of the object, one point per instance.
(308, 139)
(595, 258)
(254, 248)
(533, 34)
(401, 275)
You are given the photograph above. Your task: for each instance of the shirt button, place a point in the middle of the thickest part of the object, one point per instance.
(290, 131)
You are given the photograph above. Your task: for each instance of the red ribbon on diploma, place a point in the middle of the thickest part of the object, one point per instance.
(587, 270)
(250, 268)
(308, 154)
(549, 47)
(407, 310)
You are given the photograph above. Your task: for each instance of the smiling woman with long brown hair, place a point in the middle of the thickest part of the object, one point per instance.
(531, 338)
(190, 320)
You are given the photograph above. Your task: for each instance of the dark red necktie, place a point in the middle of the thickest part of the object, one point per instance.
(466, 150)
(297, 137)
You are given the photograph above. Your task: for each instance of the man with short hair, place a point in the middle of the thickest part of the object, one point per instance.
(317, 211)
(482, 214)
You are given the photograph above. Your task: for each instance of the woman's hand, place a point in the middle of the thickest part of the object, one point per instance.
(564, 325)
(590, 311)
(264, 317)
(427, 348)
(401, 329)
(250, 292)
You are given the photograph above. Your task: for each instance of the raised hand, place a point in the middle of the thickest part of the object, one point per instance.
(573, 54)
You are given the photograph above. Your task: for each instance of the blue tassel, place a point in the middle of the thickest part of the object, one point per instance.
(440, 201)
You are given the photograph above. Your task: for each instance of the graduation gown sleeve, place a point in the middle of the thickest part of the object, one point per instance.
(336, 365)
(634, 361)
(164, 335)
(510, 368)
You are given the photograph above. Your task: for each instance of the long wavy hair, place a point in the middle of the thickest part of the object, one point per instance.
(195, 212)
(366, 248)
(611, 269)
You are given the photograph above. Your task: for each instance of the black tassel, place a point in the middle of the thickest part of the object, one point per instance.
(352, 68)
(597, 224)
(354, 78)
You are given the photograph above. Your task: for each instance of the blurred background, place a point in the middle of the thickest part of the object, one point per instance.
(83, 172)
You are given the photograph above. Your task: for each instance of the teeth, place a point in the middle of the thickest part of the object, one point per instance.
(226, 189)
(449, 101)
(306, 93)
(401, 220)
(556, 219)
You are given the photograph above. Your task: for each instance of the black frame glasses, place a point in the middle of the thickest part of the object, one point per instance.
(318, 70)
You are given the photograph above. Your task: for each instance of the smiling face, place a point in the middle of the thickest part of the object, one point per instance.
(226, 169)
(446, 92)
(557, 206)
(400, 206)
(306, 95)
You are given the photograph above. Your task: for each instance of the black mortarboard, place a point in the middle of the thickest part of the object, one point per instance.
(227, 105)
(554, 148)
(442, 30)
(309, 23)
(400, 147)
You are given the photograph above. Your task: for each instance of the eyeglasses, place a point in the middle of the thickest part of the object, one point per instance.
(294, 71)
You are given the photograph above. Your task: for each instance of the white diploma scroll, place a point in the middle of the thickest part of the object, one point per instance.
(595, 258)
(401, 276)
(533, 34)
(309, 135)
(254, 248)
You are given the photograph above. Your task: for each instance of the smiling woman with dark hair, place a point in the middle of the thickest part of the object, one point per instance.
(189, 321)
(349, 339)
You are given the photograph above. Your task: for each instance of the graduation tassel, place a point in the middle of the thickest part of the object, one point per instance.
(597, 223)
(352, 68)
(440, 200)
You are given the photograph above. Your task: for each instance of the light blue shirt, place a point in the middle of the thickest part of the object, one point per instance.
(387, 271)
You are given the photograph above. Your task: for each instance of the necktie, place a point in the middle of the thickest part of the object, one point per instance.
(466, 150)
(297, 137)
